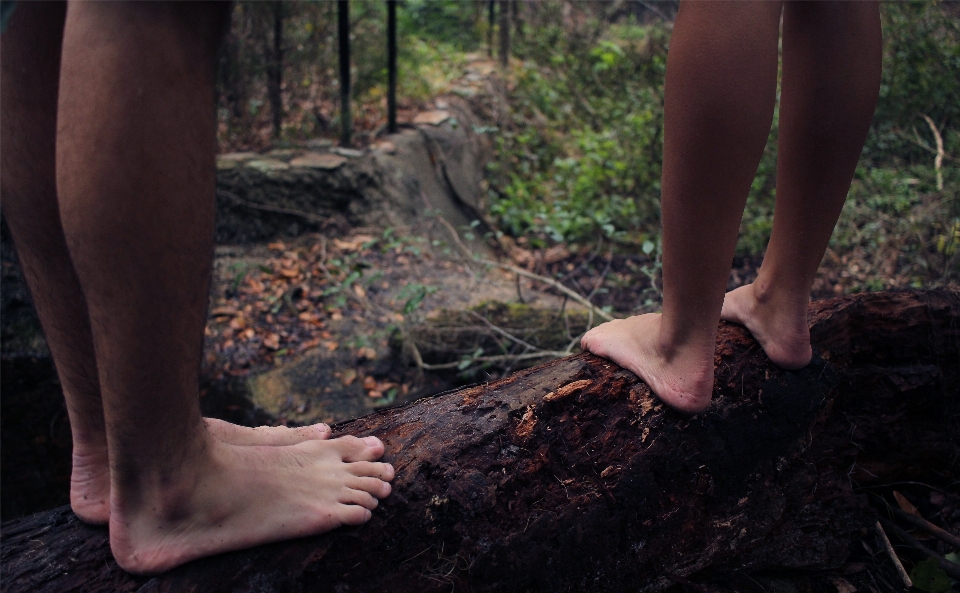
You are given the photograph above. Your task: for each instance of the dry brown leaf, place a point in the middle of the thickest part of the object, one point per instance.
(289, 272)
(272, 341)
(331, 346)
(369, 382)
(348, 377)
(906, 505)
(359, 291)
(842, 585)
(278, 246)
(367, 352)
(555, 254)
(223, 311)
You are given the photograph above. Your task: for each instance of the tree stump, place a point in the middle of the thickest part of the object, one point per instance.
(571, 476)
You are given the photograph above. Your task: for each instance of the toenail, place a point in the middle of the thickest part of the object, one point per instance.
(371, 441)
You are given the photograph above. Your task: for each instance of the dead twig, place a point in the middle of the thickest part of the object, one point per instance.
(893, 557)
(952, 570)
(521, 272)
(938, 162)
(927, 526)
(503, 332)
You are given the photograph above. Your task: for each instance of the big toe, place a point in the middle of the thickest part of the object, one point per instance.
(359, 449)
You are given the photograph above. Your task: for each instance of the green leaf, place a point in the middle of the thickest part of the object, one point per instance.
(928, 576)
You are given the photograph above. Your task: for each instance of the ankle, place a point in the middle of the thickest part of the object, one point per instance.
(768, 292)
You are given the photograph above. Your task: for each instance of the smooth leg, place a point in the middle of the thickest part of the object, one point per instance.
(720, 94)
(831, 79)
(135, 175)
(30, 67)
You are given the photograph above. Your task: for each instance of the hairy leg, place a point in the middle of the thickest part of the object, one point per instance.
(135, 177)
(30, 71)
(831, 79)
(28, 99)
(720, 93)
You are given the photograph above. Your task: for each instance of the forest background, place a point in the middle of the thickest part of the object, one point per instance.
(578, 154)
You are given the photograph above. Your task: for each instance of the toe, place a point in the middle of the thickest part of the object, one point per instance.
(357, 449)
(358, 497)
(370, 469)
(373, 486)
(315, 431)
(351, 514)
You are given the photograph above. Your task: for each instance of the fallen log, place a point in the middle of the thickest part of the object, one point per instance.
(572, 477)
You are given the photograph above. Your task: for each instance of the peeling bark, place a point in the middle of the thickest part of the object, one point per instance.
(571, 476)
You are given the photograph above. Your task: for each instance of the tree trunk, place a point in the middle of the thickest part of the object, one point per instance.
(504, 53)
(571, 476)
(274, 51)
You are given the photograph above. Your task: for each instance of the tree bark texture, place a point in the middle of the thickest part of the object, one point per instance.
(571, 476)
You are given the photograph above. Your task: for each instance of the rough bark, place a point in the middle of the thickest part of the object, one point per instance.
(572, 477)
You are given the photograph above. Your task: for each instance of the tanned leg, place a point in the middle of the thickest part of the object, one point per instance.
(135, 174)
(720, 93)
(28, 100)
(831, 78)
(29, 81)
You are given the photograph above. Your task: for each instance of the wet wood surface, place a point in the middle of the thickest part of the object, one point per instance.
(571, 476)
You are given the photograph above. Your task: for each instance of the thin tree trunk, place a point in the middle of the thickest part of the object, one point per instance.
(343, 29)
(504, 33)
(275, 68)
(392, 66)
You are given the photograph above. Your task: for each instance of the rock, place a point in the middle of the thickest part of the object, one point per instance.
(318, 143)
(433, 118)
(316, 160)
(348, 152)
(267, 165)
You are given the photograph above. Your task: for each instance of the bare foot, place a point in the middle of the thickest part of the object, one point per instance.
(235, 434)
(232, 497)
(90, 475)
(681, 376)
(90, 483)
(780, 325)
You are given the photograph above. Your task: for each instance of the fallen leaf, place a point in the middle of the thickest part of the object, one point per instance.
(238, 323)
(272, 341)
(223, 311)
(367, 352)
(248, 333)
(369, 382)
(348, 377)
(331, 346)
(842, 585)
(336, 316)
(326, 335)
(374, 393)
(906, 504)
(278, 246)
(359, 291)
(555, 254)
(310, 344)
(289, 272)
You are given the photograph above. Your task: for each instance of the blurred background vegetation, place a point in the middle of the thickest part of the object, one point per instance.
(578, 152)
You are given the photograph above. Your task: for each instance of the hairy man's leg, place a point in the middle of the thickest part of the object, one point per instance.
(831, 79)
(720, 92)
(30, 66)
(135, 174)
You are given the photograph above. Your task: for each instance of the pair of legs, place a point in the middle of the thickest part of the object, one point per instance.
(720, 93)
(107, 147)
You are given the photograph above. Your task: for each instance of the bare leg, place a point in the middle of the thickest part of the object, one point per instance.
(135, 174)
(720, 93)
(831, 78)
(28, 95)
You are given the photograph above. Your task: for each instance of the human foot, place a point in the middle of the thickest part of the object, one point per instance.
(778, 324)
(90, 474)
(680, 376)
(90, 483)
(231, 497)
(235, 434)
